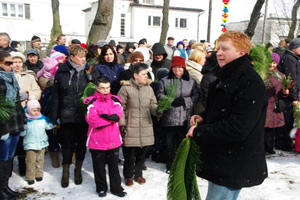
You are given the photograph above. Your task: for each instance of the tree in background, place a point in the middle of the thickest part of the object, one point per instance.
(291, 34)
(255, 15)
(102, 22)
(56, 28)
(165, 22)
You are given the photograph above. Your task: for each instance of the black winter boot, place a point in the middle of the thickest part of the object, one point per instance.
(22, 165)
(77, 172)
(7, 170)
(4, 195)
(65, 176)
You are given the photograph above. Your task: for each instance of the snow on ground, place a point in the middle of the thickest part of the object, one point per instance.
(283, 182)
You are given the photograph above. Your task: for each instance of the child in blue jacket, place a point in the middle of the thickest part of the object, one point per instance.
(35, 140)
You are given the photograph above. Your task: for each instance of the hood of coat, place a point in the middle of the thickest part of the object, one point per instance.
(158, 48)
(133, 82)
(192, 65)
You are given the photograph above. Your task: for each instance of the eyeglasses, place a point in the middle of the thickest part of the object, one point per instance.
(138, 60)
(104, 88)
(7, 63)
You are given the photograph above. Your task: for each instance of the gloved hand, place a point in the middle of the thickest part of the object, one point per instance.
(178, 102)
(123, 130)
(23, 96)
(113, 117)
(89, 77)
(4, 137)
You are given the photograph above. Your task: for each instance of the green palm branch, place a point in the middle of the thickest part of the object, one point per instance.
(87, 92)
(6, 108)
(165, 102)
(182, 184)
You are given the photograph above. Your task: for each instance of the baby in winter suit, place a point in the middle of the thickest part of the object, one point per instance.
(46, 75)
(35, 140)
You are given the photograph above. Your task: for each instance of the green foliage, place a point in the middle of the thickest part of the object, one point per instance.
(286, 81)
(87, 92)
(6, 108)
(262, 59)
(296, 115)
(182, 184)
(165, 102)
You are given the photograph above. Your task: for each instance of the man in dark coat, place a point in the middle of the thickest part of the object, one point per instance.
(159, 58)
(231, 129)
(289, 65)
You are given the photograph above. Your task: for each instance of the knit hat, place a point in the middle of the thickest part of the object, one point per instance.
(18, 55)
(180, 42)
(32, 103)
(178, 61)
(14, 44)
(35, 39)
(101, 43)
(209, 49)
(32, 51)
(62, 49)
(191, 42)
(275, 57)
(83, 45)
(135, 55)
(161, 72)
(119, 47)
(112, 43)
(56, 55)
(75, 41)
(294, 43)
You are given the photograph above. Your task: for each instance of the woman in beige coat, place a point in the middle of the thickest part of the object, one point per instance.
(26, 81)
(139, 102)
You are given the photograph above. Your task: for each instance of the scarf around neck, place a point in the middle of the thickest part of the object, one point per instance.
(12, 86)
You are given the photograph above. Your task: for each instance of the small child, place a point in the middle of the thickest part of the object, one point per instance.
(46, 75)
(103, 138)
(35, 140)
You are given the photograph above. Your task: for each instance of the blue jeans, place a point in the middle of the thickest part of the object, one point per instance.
(218, 192)
(8, 147)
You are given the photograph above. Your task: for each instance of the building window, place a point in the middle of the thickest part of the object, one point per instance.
(4, 9)
(284, 30)
(148, 2)
(153, 21)
(180, 23)
(122, 25)
(12, 10)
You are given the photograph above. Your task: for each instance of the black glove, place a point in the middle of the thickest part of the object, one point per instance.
(89, 77)
(178, 102)
(113, 117)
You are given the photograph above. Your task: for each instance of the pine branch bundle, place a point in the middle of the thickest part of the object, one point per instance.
(164, 103)
(6, 108)
(296, 115)
(286, 81)
(182, 184)
(262, 59)
(87, 92)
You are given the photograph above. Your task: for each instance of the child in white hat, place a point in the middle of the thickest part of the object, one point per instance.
(35, 140)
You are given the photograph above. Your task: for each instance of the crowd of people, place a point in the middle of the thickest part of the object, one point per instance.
(214, 87)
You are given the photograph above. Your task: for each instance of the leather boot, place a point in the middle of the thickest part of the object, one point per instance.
(22, 165)
(65, 176)
(77, 172)
(55, 159)
(7, 170)
(4, 195)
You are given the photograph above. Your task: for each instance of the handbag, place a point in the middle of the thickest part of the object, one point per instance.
(279, 106)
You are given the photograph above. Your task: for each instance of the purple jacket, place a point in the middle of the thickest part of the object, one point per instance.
(103, 134)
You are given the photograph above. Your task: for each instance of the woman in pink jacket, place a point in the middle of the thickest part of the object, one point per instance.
(103, 138)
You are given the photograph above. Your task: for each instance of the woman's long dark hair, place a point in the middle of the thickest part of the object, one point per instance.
(104, 50)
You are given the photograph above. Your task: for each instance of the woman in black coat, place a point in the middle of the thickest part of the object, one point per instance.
(70, 80)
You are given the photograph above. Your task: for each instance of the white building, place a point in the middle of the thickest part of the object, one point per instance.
(134, 20)
(22, 19)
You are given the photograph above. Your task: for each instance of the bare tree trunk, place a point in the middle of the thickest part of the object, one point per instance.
(250, 31)
(56, 27)
(294, 20)
(102, 22)
(165, 22)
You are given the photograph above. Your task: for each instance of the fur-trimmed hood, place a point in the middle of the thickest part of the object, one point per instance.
(128, 82)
